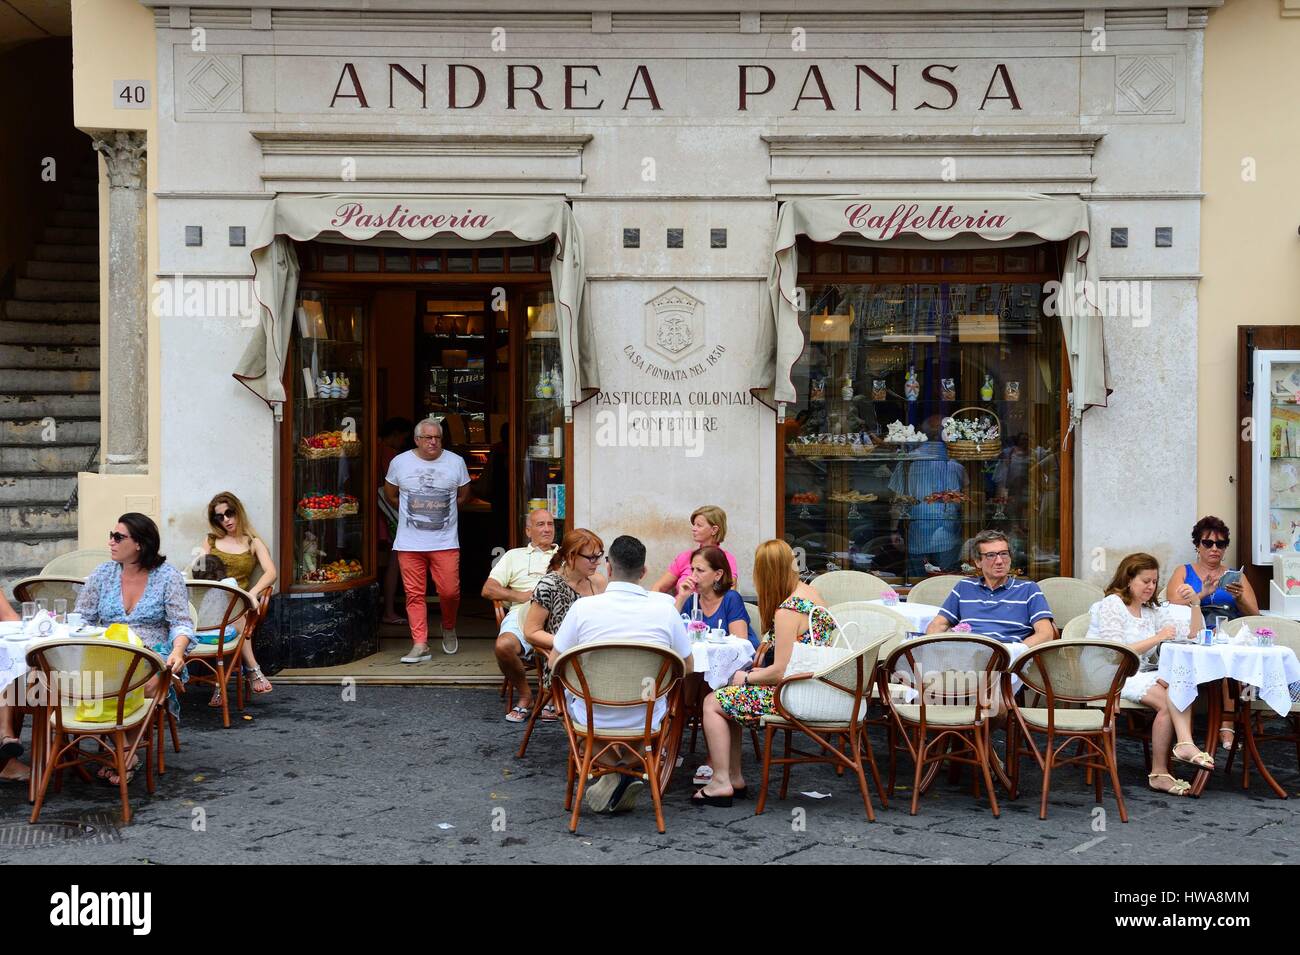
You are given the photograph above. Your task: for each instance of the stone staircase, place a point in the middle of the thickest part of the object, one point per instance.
(49, 384)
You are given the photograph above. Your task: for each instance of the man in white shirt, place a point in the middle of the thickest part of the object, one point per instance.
(512, 580)
(427, 485)
(625, 611)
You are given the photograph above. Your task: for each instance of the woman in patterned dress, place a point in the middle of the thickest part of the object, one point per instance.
(570, 575)
(789, 610)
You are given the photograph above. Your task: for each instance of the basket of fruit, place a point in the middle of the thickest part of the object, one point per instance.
(855, 445)
(975, 437)
(330, 444)
(317, 507)
(946, 497)
(335, 571)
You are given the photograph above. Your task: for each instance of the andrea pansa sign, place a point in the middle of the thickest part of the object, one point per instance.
(938, 86)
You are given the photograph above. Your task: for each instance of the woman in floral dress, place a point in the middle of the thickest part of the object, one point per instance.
(791, 611)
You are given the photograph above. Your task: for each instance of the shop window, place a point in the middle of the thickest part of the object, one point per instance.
(397, 260)
(460, 260)
(827, 261)
(872, 479)
(523, 261)
(858, 262)
(365, 260)
(491, 260)
(335, 261)
(428, 262)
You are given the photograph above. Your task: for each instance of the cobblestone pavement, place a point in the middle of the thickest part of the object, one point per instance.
(425, 774)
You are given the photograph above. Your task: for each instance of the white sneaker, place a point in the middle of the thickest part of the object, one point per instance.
(597, 795)
(449, 642)
(419, 653)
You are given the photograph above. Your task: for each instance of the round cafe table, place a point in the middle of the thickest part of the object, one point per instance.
(1267, 670)
(718, 661)
(919, 615)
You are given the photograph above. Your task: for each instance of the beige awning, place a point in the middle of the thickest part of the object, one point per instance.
(910, 221)
(407, 220)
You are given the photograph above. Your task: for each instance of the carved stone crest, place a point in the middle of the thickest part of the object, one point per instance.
(674, 324)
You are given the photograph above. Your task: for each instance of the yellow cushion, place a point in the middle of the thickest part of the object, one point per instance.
(107, 722)
(1070, 721)
(936, 715)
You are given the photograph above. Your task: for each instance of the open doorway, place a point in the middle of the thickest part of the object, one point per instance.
(466, 335)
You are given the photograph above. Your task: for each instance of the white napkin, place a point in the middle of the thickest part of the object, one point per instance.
(40, 626)
(1243, 637)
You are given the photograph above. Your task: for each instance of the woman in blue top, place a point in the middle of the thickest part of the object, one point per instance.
(709, 585)
(1198, 582)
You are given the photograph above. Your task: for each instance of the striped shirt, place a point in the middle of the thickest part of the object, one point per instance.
(1007, 613)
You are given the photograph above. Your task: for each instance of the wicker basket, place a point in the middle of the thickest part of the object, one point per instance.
(828, 450)
(977, 450)
(348, 449)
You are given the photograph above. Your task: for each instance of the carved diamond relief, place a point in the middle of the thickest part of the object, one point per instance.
(214, 84)
(1145, 84)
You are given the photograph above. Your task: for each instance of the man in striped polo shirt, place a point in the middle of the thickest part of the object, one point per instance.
(995, 604)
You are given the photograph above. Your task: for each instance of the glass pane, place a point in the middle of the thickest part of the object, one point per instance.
(429, 262)
(460, 260)
(984, 262)
(524, 261)
(334, 261)
(491, 260)
(542, 438)
(330, 480)
(397, 260)
(889, 262)
(858, 262)
(1284, 457)
(1019, 261)
(365, 260)
(920, 263)
(874, 478)
(827, 261)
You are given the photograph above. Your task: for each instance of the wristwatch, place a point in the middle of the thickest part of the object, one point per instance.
(746, 683)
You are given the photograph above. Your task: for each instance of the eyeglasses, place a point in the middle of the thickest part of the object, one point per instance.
(999, 555)
(117, 538)
(222, 515)
(428, 437)
(1210, 542)
(591, 557)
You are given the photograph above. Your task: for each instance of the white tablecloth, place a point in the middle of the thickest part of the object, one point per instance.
(920, 615)
(718, 661)
(13, 660)
(1184, 666)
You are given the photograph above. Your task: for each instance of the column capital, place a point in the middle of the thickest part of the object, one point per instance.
(123, 151)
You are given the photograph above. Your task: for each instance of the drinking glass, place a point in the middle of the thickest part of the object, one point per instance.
(61, 610)
(29, 610)
(43, 603)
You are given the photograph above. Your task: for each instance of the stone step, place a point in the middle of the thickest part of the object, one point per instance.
(50, 429)
(62, 234)
(17, 459)
(51, 311)
(62, 271)
(21, 381)
(75, 218)
(53, 290)
(51, 333)
(80, 201)
(20, 488)
(58, 252)
(32, 550)
(40, 518)
(24, 407)
(47, 356)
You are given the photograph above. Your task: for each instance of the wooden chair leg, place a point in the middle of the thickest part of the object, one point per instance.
(1247, 729)
(1049, 757)
(173, 726)
(583, 773)
(769, 732)
(119, 760)
(875, 770)
(1108, 754)
(539, 703)
(983, 749)
(758, 750)
(652, 780)
(919, 758)
(862, 777)
(785, 767)
(159, 720)
(238, 668)
(224, 691)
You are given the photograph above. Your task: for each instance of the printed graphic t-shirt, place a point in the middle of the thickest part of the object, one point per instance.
(427, 513)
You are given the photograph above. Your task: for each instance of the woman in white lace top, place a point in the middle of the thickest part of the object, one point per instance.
(1128, 614)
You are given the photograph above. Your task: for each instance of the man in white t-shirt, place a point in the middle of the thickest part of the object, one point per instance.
(427, 485)
(625, 611)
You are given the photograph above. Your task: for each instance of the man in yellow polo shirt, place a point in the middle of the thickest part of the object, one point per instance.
(512, 580)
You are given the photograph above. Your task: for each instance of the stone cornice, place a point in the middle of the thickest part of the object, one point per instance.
(936, 144)
(782, 7)
(306, 143)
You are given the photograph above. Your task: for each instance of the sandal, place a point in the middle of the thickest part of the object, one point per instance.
(703, 775)
(1201, 760)
(1231, 731)
(22, 774)
(10, 747)
(109, 774)
(701, 798)
(517, 714)
(257, 679)
(1177, 787)
(549, 714)
(216, 698)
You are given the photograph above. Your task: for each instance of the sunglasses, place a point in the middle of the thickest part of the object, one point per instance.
(1209, 542)
(222, 515)
(117, 538)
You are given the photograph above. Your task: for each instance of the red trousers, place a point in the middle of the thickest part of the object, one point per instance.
(417, 567)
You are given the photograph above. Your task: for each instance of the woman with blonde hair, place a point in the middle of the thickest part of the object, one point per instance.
(1129, 614)
(234, 542)
(570, 575)
(789, 613)
(708, 529)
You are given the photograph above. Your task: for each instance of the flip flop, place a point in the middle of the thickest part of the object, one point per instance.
(703, 775)
(517, 714)
(701, 798)
(549, 714)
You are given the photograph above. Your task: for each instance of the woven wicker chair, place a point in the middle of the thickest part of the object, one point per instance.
(853, 678)
(863, 623)
(217, 606)
(842, 586)
(1252, 723)
(98, 674)
(77, 563)
(1077, 628)
(1069, 597)
(933, 590)
(956, 681)
(51, 588)
(1072, 672)
(755, 619)
(618, 674)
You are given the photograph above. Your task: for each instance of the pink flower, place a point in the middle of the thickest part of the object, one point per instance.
(1263, 632)
(962, 627)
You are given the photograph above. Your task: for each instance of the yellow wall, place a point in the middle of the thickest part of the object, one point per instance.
(1250, 251)
(115, 40)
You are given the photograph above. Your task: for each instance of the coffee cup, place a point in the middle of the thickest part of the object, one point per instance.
(75, 620)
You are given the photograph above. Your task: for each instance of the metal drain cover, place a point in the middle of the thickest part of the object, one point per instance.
(94, 828)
